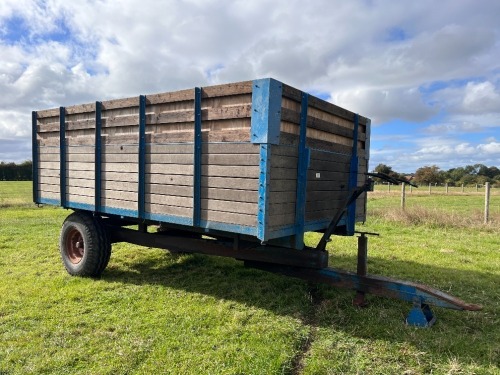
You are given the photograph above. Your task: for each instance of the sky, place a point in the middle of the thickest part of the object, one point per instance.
(427, 73)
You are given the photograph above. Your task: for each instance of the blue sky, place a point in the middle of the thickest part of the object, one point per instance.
(427, 73)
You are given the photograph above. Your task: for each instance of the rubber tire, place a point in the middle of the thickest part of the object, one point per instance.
(96, 245)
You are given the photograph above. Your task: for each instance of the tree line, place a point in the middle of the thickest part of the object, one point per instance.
(477, 174)
(16, 172)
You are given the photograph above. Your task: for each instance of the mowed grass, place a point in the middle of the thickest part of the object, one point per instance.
(152, 312)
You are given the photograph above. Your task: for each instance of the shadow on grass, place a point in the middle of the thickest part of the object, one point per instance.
(470, 336)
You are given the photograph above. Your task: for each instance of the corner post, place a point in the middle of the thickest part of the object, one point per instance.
(34, 151)
(62, 156)
(197, 158)
(353, 177)
(141, 203)
(98, 157)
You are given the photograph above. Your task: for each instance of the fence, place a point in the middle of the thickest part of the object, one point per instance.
(486, 197)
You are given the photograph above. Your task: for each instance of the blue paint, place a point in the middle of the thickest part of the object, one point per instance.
(303, 161)
(52, 202)
(367, 141)
(80, 206)
(120, 212)
(231, 228)
(98, 156)
(353, 177)
(420, 316)
(263, 202)
(197, 158)
(316, 225)
(34, 152)
(62, 155)
(266, 111)
(141, 202)
(169, 219)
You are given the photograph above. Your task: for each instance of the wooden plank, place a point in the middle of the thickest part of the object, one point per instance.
(73, 198)
(119, 203)
(48, 165)
(169, 158)
(331, 166)
(81, 182)
(169, 148)
(48, 157)
(120, 158)
(48, 150)
(279, 161)
(54, 188)
(120, 167)
(228, 206)
(80, 108)
(170, 97)
(82, 166)
(230, 171)
(78, 190)
(276, 209)
(229, 218)
(49, 194)
(169, 200)
(85, 158)
(170, 169)
(119, 186)
(282, 197)
(117, 176)
(121, 149)
(120, 103)
(325, 185)
(53, 112)
(281, 220)
(118, 121)
(227, 89)
(160, 189)
(283, 174)
(168, 210)
(329, 156)
(48, 172)
(169, 179)
(282, 185)
(327, 176)
(48, 180)
(230, 148)
(230, 183)
(284, 151)
(230, 159)
(80, 150)
(250, 196)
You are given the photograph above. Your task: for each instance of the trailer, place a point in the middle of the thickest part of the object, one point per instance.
(240, 170)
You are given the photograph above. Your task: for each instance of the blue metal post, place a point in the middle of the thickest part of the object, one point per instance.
(142, 158)
(34, 152)
(197, 158)
(303, 161)
(98, 156)
(263, 203)
(353, 177)
(266, 111)
(62, 155)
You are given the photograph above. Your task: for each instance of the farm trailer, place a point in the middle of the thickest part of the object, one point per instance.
(241, 170)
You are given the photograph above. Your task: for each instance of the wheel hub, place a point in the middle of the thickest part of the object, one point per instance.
(75, 246)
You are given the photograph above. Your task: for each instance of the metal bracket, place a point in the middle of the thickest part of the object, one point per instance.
(420, 316)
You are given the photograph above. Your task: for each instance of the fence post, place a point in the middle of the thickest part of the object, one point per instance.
(389, 187)
(446, 186)
(462, 188)
(411, 190)
(486, 203)
(477, 188)
(403, 195)
(430, 188)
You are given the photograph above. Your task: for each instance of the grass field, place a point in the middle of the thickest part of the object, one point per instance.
(153, 312)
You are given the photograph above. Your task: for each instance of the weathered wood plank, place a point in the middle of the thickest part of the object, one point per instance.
(121, 149)
(230, 148)
(229, 218)
(120, 158)
(48, 157)
(284, 151)
(48, 187)
(282, 185)
(80, 150)
(119, 203)
(329, 156)
(230, 183)
(170, 97)
(168, 210)
(120, 186)
(276, 209)
(228, 206)
(48, 150)
(78, 190)
(250, 196)
(53, 112)
(117, 176)
(74, 198)
(230, 171)
(169, 200)
(49, 194)
(283, 174)
(120, 103)
(171, 179)
(331, 166)
(181, 191)
(182, 169)
(227, 89)
(284, 161)
(282, 197)
(231, 160)
(48, 172)
(276, 221)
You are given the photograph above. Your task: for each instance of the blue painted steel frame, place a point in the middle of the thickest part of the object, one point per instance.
(353, 177)
(34, 152)
(62, 155)
(98, 157)
(197, 158)
(263, 203)
(142, 159)
(303, 161)
(266, 111)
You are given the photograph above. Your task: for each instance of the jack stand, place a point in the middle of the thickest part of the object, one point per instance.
(420, 316)
(359, 298)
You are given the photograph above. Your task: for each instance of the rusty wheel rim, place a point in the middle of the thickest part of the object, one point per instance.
(74, 246)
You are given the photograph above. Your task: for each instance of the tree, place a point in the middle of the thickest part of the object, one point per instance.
(429, 175)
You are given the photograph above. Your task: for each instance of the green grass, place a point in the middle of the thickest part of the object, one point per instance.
(152, 312)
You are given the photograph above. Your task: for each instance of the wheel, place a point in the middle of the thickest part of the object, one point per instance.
(84, 245)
